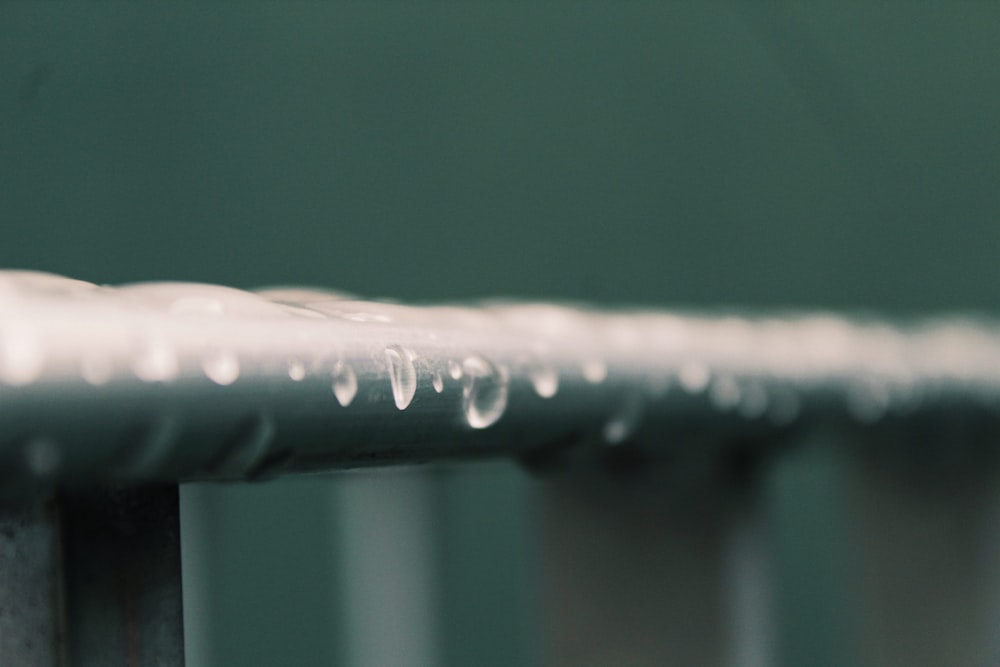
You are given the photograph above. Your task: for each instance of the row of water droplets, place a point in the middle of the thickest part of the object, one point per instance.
(750, 398)
(831, 343)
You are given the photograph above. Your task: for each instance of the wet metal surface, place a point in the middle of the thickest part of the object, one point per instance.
(177, 381)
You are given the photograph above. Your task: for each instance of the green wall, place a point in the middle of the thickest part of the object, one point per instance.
(694, 154)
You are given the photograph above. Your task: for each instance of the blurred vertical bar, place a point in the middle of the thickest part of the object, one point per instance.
(749, 588)
(196, 543)
(806, 498)
(261, 578)
(489, 564)
(928, 526)
(387, 560)
(29, 584)
(634, 574)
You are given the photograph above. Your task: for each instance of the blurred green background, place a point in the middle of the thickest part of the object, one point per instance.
(839, 155)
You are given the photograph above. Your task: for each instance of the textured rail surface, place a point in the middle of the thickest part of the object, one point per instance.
(176, 381)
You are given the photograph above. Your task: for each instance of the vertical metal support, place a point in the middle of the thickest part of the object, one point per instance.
(388, 559)
(805, 497)
(749, 588)
(29, 587)
(122, 565)
(928, 527)
(634, 574)
(92, 578)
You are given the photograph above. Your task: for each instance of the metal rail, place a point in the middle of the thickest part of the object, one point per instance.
(111, 396)
(170, 381)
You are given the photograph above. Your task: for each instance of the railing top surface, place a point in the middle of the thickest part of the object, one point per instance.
(179, 381)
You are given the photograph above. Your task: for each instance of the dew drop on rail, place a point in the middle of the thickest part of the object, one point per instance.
(402, 375)
(484, 392)
(221, 367)
(345, 383)
(544, 378)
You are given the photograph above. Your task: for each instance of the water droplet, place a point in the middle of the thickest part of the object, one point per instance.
(345, 383)
(455, 370)
(753, 401)
(155, 362)
(868, 401)
(42, 456)
(96, 370)
(724, 393)
(624, 423)
(906, 396)
(544, 378)
(694, 377)
(221, 367)
(402, 375)
(595, 371)
(296, 370)
(21, 356)
(438, 382)
(484, 393)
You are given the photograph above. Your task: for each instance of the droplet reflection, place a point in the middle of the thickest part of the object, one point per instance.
(484, 393)
(402, 375)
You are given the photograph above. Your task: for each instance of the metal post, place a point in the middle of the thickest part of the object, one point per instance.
(390, 594)
(29, 585)
(927, 528)
(633, 574)
(121, 559)
(92, 578)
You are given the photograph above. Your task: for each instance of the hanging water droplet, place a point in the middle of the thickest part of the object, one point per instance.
(753, 401)
(724, 393)
(484, 393)
(595, 371)
(625, 421)
(544, 378)
(658, 385)
(402, 375)
(21, 356)
(296, 370)
(694, 377)
(221, 367)
(155, 361)
(345, 383)
(455, 370)
(868, 401)
(96, 370)
(438, 382)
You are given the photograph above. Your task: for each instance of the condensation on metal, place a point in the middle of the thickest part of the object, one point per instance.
(189, 381)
